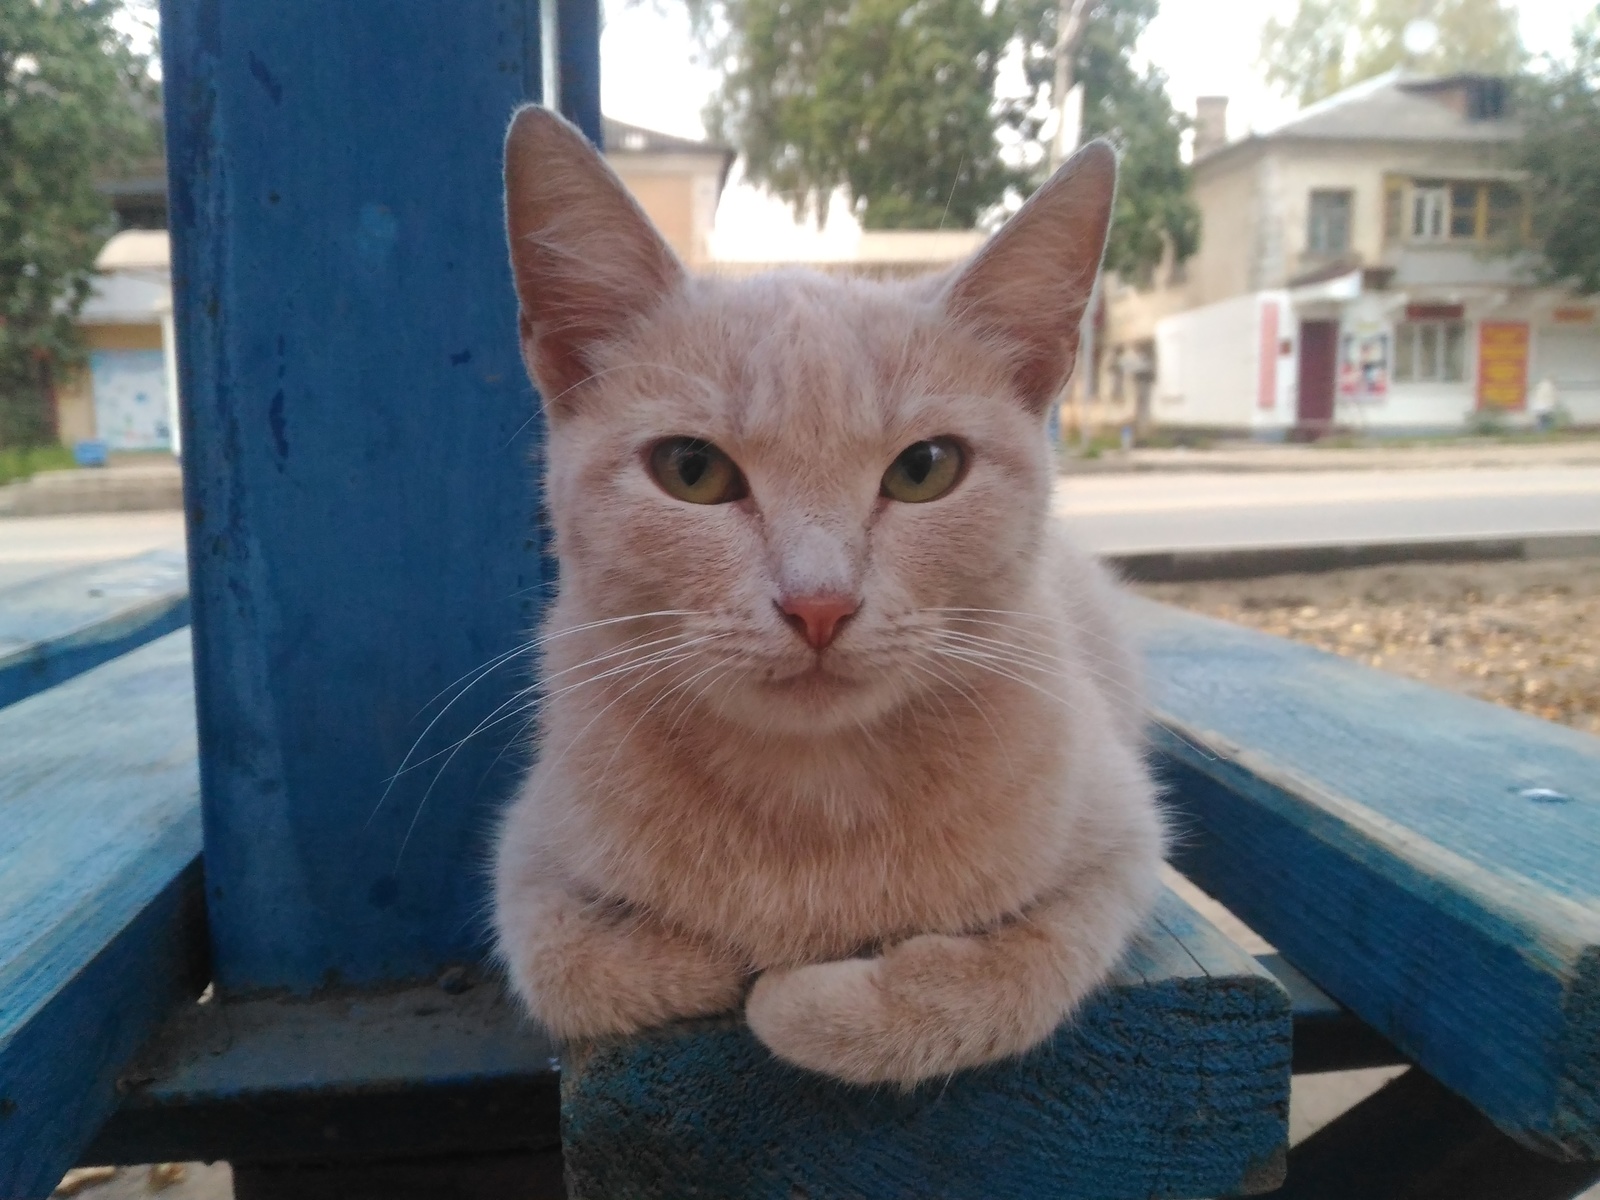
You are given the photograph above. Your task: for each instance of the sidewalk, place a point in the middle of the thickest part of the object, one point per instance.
(1275, 456)
(121, 488)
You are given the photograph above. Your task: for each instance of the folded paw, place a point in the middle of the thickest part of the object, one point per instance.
(589, 978)
(929, 1006)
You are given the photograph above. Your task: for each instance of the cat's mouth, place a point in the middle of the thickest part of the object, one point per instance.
(820, 677)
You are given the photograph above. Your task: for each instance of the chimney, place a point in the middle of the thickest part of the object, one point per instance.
(1210, 124)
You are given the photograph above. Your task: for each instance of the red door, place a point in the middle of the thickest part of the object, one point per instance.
(1319, 358)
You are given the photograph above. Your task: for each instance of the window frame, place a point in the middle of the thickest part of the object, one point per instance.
(1433, 211)
(1328, 209)
(1431, 350)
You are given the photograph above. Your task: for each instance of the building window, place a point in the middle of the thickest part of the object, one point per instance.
(1328, 230)
(1430, 352)
(1504, 212)
(1464, 210)
(1440, 211)
(1429, 203)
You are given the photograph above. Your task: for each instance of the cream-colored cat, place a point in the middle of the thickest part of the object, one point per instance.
(836, 723)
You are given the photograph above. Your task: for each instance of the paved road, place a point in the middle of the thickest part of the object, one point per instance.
(35, 546)
(1146, 513)
(1135, 513)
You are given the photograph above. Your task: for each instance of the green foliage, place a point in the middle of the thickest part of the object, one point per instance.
(1154, 203)
(1327, 45)
(20, 462)
(889, 98)
(70, 92)
(1560, 110)
(895, 101)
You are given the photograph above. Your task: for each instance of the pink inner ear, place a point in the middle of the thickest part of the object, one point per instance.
(1028, 288)
(586, 260)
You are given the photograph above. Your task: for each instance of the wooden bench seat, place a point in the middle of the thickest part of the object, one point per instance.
(102, 928)
(1172, 1082)
(69, 621)
(1431, 861)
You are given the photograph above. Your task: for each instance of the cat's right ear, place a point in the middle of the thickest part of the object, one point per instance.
(586, 260)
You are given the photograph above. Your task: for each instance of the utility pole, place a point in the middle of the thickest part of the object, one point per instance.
(1072, 20)
(1067, 96)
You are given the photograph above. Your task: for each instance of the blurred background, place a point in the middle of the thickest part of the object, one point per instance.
(1340, 381)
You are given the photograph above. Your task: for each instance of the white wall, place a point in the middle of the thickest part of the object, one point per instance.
(1208, 370)
(1413, 406)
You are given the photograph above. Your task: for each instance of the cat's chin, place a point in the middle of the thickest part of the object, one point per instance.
(813, 701)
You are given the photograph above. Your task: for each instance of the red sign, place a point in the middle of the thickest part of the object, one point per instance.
(1267, 392)
(1435, 312)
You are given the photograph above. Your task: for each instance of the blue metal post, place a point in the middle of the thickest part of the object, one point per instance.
(363, 509)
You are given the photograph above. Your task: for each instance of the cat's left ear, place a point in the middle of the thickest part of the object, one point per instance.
(1027, 289)
(586, 259)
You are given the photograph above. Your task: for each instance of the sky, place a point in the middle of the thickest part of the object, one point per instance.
(648, 77)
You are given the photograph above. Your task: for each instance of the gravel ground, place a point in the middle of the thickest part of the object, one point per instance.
(1522, 634)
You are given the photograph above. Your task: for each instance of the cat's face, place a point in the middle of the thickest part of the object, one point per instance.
(822, 481)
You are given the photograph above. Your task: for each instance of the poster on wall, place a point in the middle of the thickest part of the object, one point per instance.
(1503, 365)
(1364, 365)
(130, 399)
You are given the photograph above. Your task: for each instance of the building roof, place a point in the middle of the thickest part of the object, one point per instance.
(134, 250)
(125, 298)
(621, 137)
(1396, 107)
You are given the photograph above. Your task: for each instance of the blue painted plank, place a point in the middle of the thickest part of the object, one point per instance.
(65, 623)
(1431, 861)
(1172, 1082)
(358, 443)
(444, 1068)
(101, 922)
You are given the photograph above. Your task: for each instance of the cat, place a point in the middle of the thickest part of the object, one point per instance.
(835, 724)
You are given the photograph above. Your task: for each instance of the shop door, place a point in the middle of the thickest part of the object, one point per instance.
(1319, 353)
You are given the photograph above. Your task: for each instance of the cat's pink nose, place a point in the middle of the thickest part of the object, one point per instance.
(818, 619)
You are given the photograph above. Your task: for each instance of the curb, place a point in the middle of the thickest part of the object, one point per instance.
(1184, 566)
(97, 490)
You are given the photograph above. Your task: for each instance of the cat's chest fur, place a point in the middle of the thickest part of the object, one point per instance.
(826, 854)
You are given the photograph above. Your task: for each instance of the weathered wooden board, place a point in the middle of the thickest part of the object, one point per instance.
(360, 441)
(424, 1071)
(1327, 1035)
(1172, 1082)
(1431, 861)
(101, 925)
(65, 623)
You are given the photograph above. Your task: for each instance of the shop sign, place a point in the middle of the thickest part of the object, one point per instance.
(1502, 364)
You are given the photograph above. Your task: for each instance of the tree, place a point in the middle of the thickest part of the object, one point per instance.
(70, 92)
(1560, 110)
(888, 98)
(1328, 45)
(895, 101)
(1155, 209)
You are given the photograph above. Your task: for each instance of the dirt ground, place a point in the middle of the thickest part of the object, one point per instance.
(1522, 634)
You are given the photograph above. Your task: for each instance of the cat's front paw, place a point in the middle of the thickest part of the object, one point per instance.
(826, 1017)
(585, 977)
(926, 1008)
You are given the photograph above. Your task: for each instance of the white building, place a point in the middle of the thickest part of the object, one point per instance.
(1354, 274)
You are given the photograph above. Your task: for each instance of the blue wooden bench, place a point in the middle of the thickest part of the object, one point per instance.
(61, 625)
(364, 535)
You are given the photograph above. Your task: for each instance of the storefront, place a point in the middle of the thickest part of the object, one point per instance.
(1339, 355)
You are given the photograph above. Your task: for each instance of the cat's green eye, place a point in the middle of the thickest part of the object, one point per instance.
(694, 470)
(925, 471)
